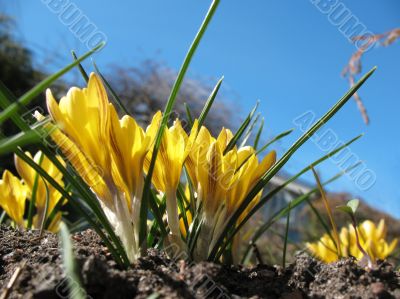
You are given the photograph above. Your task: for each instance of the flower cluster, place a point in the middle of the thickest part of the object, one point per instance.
(107, 152)
(113, 155)
(15, 192)
(222, 179)
(372, 240)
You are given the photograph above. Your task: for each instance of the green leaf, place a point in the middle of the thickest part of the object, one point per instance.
(57, 207)
(9, 144)
(157, 225)
(281, 162)
(46, 210)
(81, 69)
(249, 131)
(353, 205)
(157, 213)
(6, 97)
(181, 199)
(276, 138)
(71, 272)
(35, 91)
(273, 140)
(241, 130)
(329, 212)
(350, 208)
(164, 122)
(321, 221)
(188, 115)
(154, 296)
(3, 217)
(209, 102)
(32, 202)
(258, 135)
(286, 235)
(345, 209)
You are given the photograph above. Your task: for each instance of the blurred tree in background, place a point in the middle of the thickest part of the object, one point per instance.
(145, 89)
(16, 72)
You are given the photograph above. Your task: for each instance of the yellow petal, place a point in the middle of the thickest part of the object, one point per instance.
(13, 197)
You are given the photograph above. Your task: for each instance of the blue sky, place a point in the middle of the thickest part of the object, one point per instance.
(285, 53)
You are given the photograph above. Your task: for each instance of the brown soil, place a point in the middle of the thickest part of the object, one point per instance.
(159, 277)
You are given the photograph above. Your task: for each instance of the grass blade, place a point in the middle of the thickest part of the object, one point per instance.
(3, 217)
(241, 130)
(209, 102)
(46, 210)
(188, 115)
(250, 130)
(9, 144)
(81, 69)
(286, 236)
(32, 202)
(321, 220)
(329, 211)
(164, 122)
(57, 208)
(275, 139)
(74, 284)
(6, 97)
(181, 199)
(258, 135)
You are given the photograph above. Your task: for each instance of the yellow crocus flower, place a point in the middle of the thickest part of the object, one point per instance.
(106, 151)
(15, 192)
(129, 145)
(174, 149)
(13, 195)
(247, 176)
(44, 189)
(83, 115)
(372, 240)
(223, 181)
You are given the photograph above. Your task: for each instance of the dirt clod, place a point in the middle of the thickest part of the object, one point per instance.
(156, 275)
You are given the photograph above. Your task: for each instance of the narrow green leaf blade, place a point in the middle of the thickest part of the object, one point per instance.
(75, 289)
(241, 129)
(209, 102)
(81, 69)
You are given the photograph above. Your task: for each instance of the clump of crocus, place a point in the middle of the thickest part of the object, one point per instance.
(221, 178)
(372, 240)
(15, 193)
(113, 155)
(107, 152)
